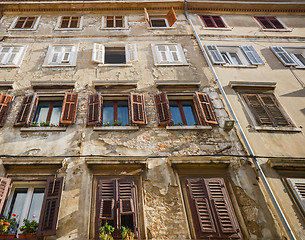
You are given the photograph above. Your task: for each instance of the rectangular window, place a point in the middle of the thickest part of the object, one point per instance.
(61, 56)
(161, 21)
(11, 56)
(270, 22)
(158, 22)
(115, 111)
(69, 23)
(115, 55)
(170, 54)
(114, 21)
(48, 112)
(183, 112)
(211, 21)
(290, 56)
(25, 23)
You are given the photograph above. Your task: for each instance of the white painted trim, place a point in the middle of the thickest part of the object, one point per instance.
(37, 19)
(116, 128)
(57, 28)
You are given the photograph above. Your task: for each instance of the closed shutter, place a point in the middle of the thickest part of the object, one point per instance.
(162, 53)
(252, 55)
(298, 187)
(171, 17)
(5, 102)
(265, 23)
(207, 20)
(11, 55)
(26, 110)
(5, 184)
(137, 106)
(163, 110)
(276, 23)
(218, 21)
(94, 109)
(98, 54)
(131, 53)
(174, 53)
(68, 113)
(283, 56)
(206, 111)
(147, 17)
(215, 54)
(50, 207)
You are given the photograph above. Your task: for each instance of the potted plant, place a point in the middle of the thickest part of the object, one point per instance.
(117, 123)
(106, 232)
(7, 226)
(29, 228)
(127, 234)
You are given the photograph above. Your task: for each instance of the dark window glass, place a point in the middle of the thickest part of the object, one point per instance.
(115, 111)
(115, 55)
(158, 23)
(48, 112)
(183, 112)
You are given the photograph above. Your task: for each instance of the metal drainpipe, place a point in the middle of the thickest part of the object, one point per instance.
(244, 138)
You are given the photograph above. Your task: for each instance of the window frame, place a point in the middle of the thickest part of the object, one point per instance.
(205, 27)
(170, 61)
(262, 27)
(115, 108)
(59, 20)
(21, 55)
(286, 55)
(71, 59)
(170, 19)
(124, 21)
(296, 196)
(33, 28)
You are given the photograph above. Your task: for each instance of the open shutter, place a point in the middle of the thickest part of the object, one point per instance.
(147, 17)
(98, 54)
(218, 21)
(283, 56)
(94, 109)
(5, 102)
(298, 187)
(215, 54)
(171, 17)
(252, 55)
(50, 207)
(206, 111)
(5, 184)
(163, 54)
(26, 110)
(131, 53)
(137, 105)
(68, 113)
(163, 110)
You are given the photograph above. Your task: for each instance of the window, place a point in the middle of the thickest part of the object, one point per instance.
(297, 186)
(11, 56)
(292, 56)
(117, 204)
(69, 23)
(211, 21)
(161, 21)
(33, 198)
(48, 110)
(5, 103)
(185, 110)
(110, 110)
(61, 56)
(25, 23)
(234, 55)
(270, 23)
(170, 54)
(105, 55)
(114, 22)
(211, 209)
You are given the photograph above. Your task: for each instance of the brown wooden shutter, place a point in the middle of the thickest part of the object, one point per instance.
(68, 113)
(137, 107)
(171, 17)
(5, 185)
(163, 110)
(206, 110)
(94, 109)
(50, 207)
(25, 114)
(147, 16)
(5, 102)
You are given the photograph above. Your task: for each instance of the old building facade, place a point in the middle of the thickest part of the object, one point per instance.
(121, 112)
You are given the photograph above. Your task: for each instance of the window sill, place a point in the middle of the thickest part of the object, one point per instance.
(170, 64)
(115, 65)
(118, 28)
(276, 30)
(277, 129)
(9, 66)
(191, 127)
(33, 29)
(240, 66)
(116, 128)
(68, 29)
(50, 66)
(160, 28)
(299, 67)
(219, 29)
(43, 129)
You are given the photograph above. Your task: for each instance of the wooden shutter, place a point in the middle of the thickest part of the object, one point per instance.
(137, 106)
(215, 54)
(252, 55)
(218, 21)
(206, 111)
(94, 109)
(283, 56)
(264, 22)
(298, 187)
(171, 17)
(26, 111)
(147, 17)
(50, 207)
(131, 53)
(68, 113)
(163, 110)
(98, 54)
(5, 185)
(5, 102)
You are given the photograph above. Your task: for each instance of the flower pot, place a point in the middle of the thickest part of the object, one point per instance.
(7, 235)
(27, 235)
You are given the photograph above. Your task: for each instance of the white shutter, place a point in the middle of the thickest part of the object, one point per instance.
(215, 54)
(252, 55)
(298, 187)
(283, 56)
(5, 54)
(131, 53)
(162, 53)
(98, 53)
(11, 55)
(174, 53)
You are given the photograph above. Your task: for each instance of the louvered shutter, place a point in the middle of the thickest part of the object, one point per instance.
(94, 109)
(215, 54)
(218, 21)
(276, 23)
(147, 17)
(137, 106)
(5, 102)
(264, 22)
(174, 53)
(283, 56)
(163, 110)
(298, 187)
(252, 55)
(131, 53)
(171, 17)
(26, 110)
(5, 184)
(206, 110)
(68, 113)
(98, 54)
(207, 20)
(50, 207)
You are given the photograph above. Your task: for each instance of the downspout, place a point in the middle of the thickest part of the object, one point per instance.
(243, 136)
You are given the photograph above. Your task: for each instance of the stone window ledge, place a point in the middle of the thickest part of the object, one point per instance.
(116, 128)
(193, 127)
(239, 66)
(43, 129)
(277, 129)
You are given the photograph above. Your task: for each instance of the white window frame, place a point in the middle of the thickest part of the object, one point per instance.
(169, 57)
(18, 58)
(290, 51)
(159, 18)
(35, 26)
(124, 27)
(61, 62)
(58, 28)
(98, 54)
(286, 29)
(227, 28)
(299, 198)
